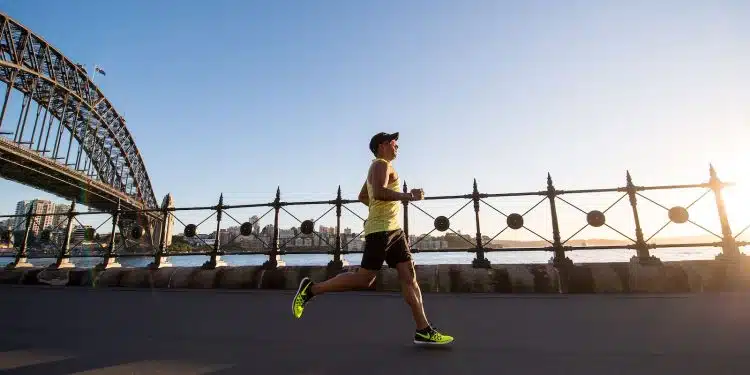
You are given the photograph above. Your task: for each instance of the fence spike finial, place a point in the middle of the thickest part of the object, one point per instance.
(628, 178)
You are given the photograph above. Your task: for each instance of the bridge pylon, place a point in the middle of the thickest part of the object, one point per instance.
(143, 230)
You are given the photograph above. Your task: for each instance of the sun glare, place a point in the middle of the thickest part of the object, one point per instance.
(737, 197)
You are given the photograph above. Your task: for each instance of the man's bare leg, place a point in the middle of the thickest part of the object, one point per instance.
(425, 333)
(411, 292)
(361, 278)
(340, 283)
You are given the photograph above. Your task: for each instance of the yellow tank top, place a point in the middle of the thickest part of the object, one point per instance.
(383, 215)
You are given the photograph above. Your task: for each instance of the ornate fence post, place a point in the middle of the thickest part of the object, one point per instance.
(559, 259)
(480, 261)
(728, 244)
(337, 263)
(274, 260)
(63, 259)
(22, 258)
(161, 258)
(215, 260)
(640, 244)
(110, 257)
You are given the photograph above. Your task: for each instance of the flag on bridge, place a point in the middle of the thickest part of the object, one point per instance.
(99, 70)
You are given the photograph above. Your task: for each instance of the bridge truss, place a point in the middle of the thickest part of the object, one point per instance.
(64, 117)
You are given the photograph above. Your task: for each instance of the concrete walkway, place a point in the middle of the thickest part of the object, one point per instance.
(86, 331)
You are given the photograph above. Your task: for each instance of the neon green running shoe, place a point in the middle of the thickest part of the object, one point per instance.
(432, 337)
(302, 297)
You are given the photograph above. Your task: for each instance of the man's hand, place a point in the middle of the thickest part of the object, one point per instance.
(417, 194)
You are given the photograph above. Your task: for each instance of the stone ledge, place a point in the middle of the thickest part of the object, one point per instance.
(628, 277)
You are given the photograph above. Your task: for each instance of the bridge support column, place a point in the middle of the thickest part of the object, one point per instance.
(63, 260)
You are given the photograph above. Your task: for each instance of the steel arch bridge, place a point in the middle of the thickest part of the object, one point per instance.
(65, 137)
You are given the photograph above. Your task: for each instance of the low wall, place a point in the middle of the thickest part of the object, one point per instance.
(632, 277)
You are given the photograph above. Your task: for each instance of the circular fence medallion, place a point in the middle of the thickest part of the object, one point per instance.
(190, 230)
(307, 227)
(595, 218)
(678, 214)
(442, 223)
(246, 229)
(137, 232)
(515, 221)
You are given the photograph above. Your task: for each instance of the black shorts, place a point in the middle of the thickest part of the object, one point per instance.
(391, 247)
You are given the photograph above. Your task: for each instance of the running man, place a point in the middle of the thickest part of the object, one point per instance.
(384, 242)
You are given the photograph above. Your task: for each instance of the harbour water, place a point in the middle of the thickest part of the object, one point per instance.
(528, 257)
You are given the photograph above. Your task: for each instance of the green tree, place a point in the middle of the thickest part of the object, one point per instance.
(45, 236)
(179, 245)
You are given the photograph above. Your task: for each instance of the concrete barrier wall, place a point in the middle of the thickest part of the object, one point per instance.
(669, 277)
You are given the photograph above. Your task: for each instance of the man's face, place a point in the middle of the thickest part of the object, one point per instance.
(388, 150)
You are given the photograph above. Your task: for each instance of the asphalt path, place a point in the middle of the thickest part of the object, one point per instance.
(119, 331)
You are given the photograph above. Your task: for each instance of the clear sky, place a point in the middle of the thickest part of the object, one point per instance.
(242, 96)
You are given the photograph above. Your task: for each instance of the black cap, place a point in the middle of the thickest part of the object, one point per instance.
(380, 138)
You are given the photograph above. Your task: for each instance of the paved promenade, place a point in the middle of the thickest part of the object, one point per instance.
(86, 331)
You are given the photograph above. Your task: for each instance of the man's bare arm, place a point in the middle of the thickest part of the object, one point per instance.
(363, 197)
(379, 181)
